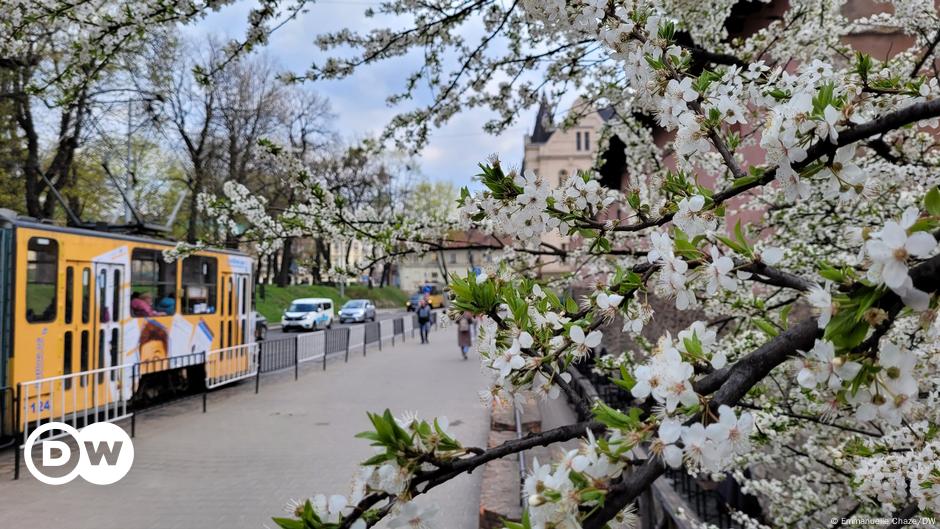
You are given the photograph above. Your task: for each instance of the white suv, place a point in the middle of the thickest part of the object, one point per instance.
(308, 314)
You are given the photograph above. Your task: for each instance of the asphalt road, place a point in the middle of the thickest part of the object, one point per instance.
(381, 314)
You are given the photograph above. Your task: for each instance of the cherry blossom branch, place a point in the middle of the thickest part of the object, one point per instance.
(731, 383)
(446, 472)
(888, 122)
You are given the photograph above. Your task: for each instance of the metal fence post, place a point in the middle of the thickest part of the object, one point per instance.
(296, 357)
(348, 331)
(134, 369)
(16, 427)
(365, 337)
(205, 387)
(326, 347)
(258, 371)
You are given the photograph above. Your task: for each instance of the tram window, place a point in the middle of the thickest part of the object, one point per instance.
(151, 274)
(114, 351)
(69, 293)
(116, 302)
(67, 358)
(86, 294)
(103, 314)
(243, 292)
(101, 341)
(199, 284)
(42, 257)
(83, 357)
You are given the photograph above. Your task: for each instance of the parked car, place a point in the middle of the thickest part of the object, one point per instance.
(261, 326)
(412, 303)
(358, 310)
(308, 314)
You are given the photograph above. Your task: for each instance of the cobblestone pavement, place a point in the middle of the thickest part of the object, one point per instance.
(238, 464)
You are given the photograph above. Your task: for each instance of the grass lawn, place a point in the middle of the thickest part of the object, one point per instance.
(276, 299)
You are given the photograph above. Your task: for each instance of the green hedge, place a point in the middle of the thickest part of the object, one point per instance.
(276, 299)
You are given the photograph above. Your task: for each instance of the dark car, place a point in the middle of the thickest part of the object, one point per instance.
(412, 303)
(261, 326)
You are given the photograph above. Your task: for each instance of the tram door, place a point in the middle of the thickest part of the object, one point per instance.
(109, 313)
(236, 309)
(81, 324)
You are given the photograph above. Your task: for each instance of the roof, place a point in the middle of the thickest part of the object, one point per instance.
(544, 127)
(470, 238)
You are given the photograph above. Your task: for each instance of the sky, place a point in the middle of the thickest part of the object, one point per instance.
(359, 101)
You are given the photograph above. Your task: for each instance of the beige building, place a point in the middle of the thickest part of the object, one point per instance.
(555, 153)
(357, 252)
(464, 252)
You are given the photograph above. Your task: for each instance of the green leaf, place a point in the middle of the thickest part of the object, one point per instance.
(731, 244)
(571, 305)
(765, 326)
(626, 380)
(785, 316)
(745, 180)
(932, 201)
(615, 418)
(288, 523)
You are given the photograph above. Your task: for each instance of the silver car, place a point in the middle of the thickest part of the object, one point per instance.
(359, 310)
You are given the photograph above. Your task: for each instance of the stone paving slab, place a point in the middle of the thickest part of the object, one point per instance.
(238, 464)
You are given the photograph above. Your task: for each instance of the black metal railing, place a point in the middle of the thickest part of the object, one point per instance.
(337, 341)
(710, 501)
(398, 329)
(274, 355)
(373, 334)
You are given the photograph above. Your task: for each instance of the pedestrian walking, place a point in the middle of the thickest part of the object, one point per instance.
(464, 336)
(424, 319)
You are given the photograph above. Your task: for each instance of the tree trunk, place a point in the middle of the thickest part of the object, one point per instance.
(287, 260)
(192, 228)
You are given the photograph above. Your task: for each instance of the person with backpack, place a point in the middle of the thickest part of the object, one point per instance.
(424, 319)
(464, 337)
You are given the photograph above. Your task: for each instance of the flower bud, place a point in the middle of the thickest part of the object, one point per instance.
(875, 316)
(536, 499)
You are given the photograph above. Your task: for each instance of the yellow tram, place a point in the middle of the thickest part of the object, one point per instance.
(83, 313)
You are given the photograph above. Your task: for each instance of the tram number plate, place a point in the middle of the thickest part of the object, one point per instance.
(40, 406)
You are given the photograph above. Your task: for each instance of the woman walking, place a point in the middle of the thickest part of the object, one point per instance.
(464, 338)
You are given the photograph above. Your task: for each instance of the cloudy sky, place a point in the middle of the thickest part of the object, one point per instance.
(359, 101)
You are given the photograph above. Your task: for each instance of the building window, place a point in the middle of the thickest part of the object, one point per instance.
(151, 274)
(200, 283)
(587, 141)
(42, 261)
(577, 136)
(452, 258)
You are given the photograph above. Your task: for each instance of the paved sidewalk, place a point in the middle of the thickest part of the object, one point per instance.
(237, 465)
